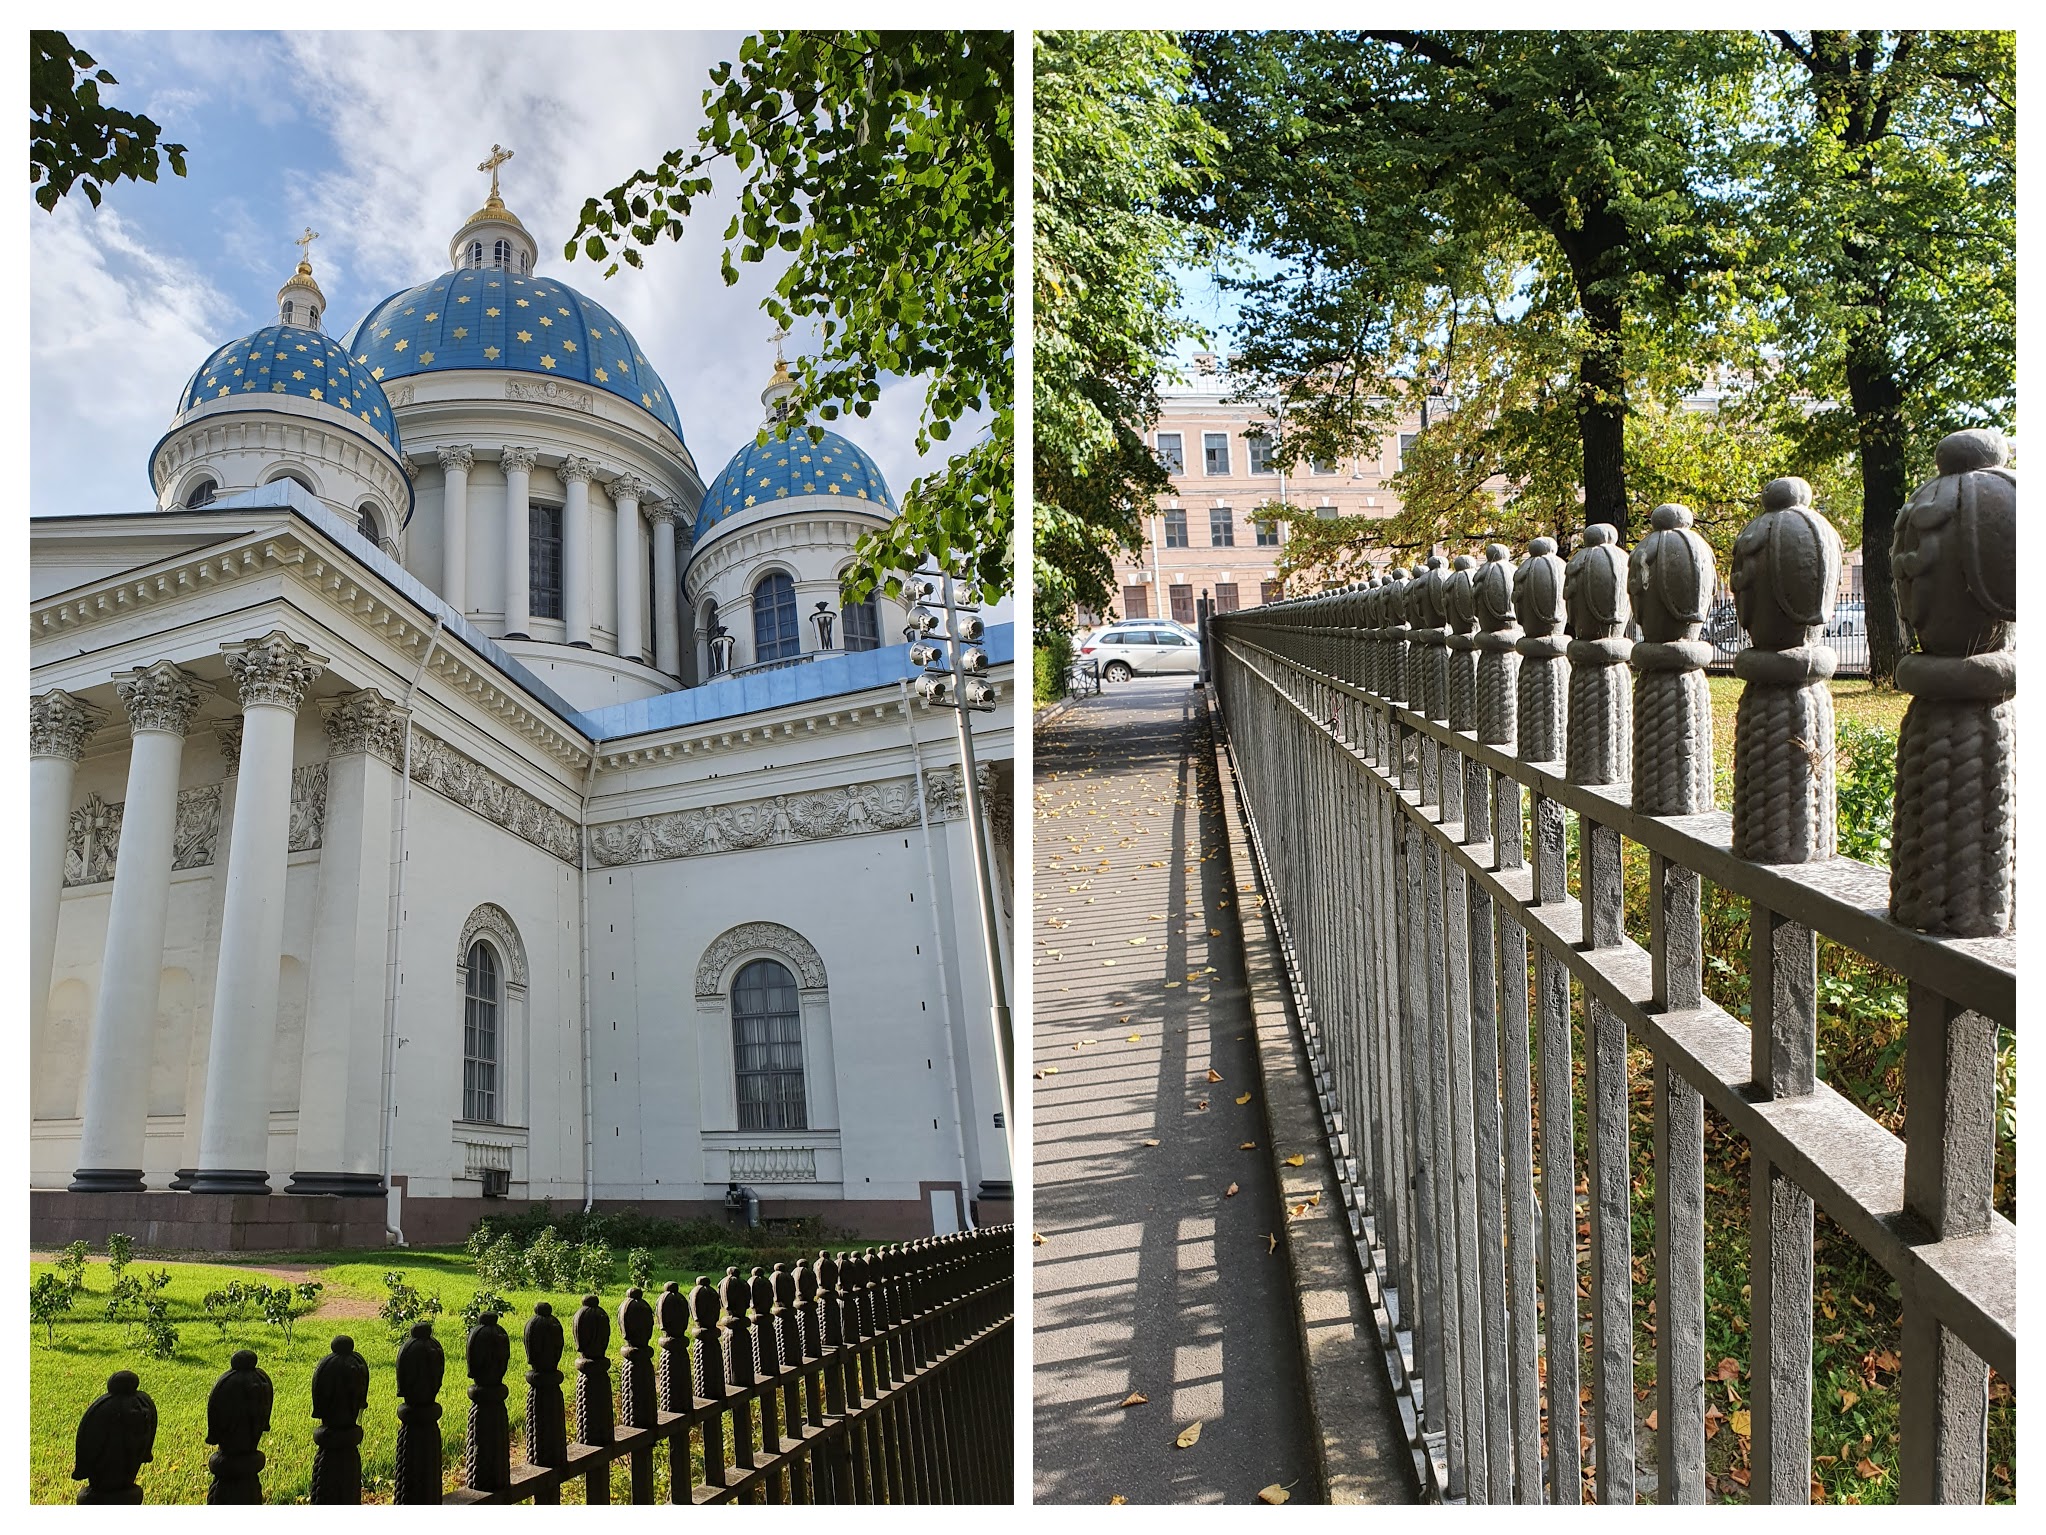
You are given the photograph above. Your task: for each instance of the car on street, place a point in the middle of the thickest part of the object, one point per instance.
(1146, 647)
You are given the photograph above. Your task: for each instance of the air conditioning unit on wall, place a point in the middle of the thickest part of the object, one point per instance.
(496, 1182)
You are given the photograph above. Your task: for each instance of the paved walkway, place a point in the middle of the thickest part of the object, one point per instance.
(1152, 1277)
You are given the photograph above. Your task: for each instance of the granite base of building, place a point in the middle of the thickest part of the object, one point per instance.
(161, 1220)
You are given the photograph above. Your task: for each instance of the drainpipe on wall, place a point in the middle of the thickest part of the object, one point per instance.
(583, 914)
(916, 755)
(394, 1224)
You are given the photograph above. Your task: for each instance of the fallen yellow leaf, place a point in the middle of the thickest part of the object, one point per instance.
(1273, 1494)
(1848, 1398)
(1118, 1498)
(1036, 1240)
(1229, 1192)
(1134, 1399)
(1742, 1423)
(1150, 1143)
(1275, 1244)
(1214, 1075)
(1244, 1098)
(1189, 1436)
(1868, 1468)
(1298, 1159)
(1133, 1039)
(1248, 1146)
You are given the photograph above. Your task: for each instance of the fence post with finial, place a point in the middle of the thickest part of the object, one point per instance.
(1952, 872)
(672, 1380)
(237, 1418)
(736, 1295)
(1544, 681)
(592, 1331)
(546, 1412)
(710, 1377)
(767, 1349)
(487, 1356)
(340, 1389)
(832, 1339)
(116, 1439)
(421, 1365)
(636, 1390)
(788, 1333)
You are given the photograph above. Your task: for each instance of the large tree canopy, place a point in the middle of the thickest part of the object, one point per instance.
(883, 162)
(74, 138)
(1551, 183)
(1112, 142)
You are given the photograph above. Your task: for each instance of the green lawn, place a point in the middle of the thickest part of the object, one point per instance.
(64, 1378)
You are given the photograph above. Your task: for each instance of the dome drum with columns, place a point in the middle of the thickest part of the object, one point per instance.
(647, 921)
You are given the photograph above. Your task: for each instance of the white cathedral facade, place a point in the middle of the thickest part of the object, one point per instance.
(448, 795)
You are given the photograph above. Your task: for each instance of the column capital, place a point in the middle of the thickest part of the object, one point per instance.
(59, 725)
(364, 721)
(577, 468)
(275, 669)
(630, 487)
(458, 456)
(659, 513)
(160, 697)
(514, 457)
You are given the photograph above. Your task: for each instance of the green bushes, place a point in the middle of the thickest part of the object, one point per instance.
(48, 1299)
(628, 1229)
(549, 1261)
(405, 1304)
(1051, 659)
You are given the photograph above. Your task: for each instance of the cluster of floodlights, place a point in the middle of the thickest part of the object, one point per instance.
(947, 646)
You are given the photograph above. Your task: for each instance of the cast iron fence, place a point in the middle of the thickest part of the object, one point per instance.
(876, 1377)
(1396, 743)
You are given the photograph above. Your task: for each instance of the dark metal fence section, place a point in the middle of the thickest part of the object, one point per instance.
(1412, 753)
(1846, 635)
(878, 1377)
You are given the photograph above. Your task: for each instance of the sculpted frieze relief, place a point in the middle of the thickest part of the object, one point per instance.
(198, 827)
(550, 391)
(95, 841)
(474, 787)
(308, 805)
(889, 805)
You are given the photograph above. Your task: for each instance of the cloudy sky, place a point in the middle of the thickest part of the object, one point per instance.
(372, 139)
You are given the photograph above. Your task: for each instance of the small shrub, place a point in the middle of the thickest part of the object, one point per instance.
(639, 1267)
(405, 1304)
(124, 1301)
(1865, 770)
(230, 1305)
(482, 1304)
(158, 1336)
(501, 1264)
(71, 1264)
(48, 1299)
(120, 1252)
(593, 1267)
(550, 1262)
(284, 1304)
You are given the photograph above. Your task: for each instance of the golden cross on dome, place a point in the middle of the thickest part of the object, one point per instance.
(306, 239)
(498, 155)
(778, 338)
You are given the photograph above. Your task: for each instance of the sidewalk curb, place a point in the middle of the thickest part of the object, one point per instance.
(1348, 1392)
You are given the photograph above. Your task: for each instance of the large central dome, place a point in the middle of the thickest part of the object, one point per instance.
(485, 317)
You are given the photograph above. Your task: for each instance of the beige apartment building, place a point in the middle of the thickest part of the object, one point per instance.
(1200, 539)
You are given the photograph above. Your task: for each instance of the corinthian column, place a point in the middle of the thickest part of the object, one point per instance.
(627, 491)
(58, 728)
(273, 674)
(518, 552)
(455, 463)
(667, 631)
(160, 700)
(575, 549)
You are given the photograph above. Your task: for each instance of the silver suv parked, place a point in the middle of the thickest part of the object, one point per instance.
(1147, 646)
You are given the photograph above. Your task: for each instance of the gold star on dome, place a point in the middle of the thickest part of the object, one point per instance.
(492, 314)
(383, 333)
(545, 321)
(211, 382)
(431, 318)
(810, 486)
(461, 331)
(523, 303)
(749, 500)
(644, 400)
(493, 285)
(223, 390)
(622, 368)
(414, 307)
(763, 479)
(491, 353)
(248, 386)
(298, 373)
(525, 335)
(563, 309)
(376, 373)
(277, 389)
(806, 458)
(546, 361)
(365, 414)
(639, 359)
(280, 357)
(863, 495)
(832, 488)
(317, 395)
(399, 346)
(567, 346)
(463, 299)
(603, 377)
(363, 359)
(426, 359)
(319, 362)
(301, 346)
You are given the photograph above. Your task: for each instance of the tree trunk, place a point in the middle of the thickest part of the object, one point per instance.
(1602, 417)
(1878, 403)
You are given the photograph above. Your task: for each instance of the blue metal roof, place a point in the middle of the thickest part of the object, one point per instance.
(774, 471)
(484, 317)
(728, 697)
(292, 360)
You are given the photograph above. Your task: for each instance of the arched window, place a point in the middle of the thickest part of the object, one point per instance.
(201, 494)
(522, 262)
(767, 1048)
(480, 1010)
(287, 311)
(313, 316)
(775, 635)
(500, 254)
(862, 626)
(366, 525)
(476, 253)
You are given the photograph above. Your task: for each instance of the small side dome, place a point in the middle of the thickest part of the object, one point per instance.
(775, 471)
(296, 361)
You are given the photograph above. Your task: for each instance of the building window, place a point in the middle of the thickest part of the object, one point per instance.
(544, 540)
(1225, 596)
(1182, 604)
(476, 253)
(500, 254)
(1407, 440)
(312, 316)
(522, 263)
(1261, 455)
(862, 626)
(767, 1047)
(366, 525)
(1221, 528)
(202, 493)
(1136, 602)
(1215, 449)
(1270, 591)
(1320, 466)
(1269, 535)
(1172, 452)
(287, 311)
(1175, 527)
(480, 1009)
(1325, 511)
(775, 635)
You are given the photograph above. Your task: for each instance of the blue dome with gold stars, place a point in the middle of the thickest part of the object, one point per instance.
(775, 471)
(292, 360)
(485, 317)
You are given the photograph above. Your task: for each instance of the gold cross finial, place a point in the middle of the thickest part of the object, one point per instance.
(498, 155)
(778, 338)
(305, 249)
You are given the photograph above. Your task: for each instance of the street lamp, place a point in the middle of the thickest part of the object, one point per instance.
(953, 675)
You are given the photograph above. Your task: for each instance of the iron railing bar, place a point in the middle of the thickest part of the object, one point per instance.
(1839, 899)
(1474, 1334)
(1434, 985)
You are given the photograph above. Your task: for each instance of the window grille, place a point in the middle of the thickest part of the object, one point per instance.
(500, 254)
(1215, 448)
(1172, 452)
(1225, 597)
(1261, 456)
(479, 1037)
(1221, 528)
(366, 525)
(767, 1048)
(775, 635)
(1268, 536)
(1136, 602)
(862, 626)
(201, 494)
(544, 539)
(1175, 527)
